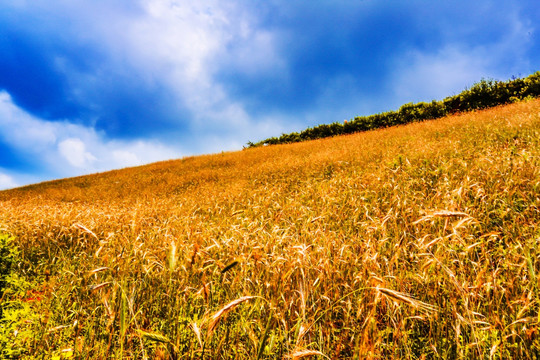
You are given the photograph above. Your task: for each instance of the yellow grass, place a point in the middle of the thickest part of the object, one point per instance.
(418, 241)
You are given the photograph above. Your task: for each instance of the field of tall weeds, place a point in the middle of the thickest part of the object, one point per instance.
(417, 242)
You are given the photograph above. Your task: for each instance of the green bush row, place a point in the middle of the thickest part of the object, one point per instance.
(484, 94)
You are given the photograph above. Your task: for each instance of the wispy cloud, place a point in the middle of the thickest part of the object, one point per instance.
(7, 182)
(450, 67)
(424, 77)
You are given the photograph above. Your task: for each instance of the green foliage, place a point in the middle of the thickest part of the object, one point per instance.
(14, 315)
(484, 94)
(8, 257)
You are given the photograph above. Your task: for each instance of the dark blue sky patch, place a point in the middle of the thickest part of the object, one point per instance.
(129, 108)
(57, 81)
(39, 75)
(13, 159)
(29, 76)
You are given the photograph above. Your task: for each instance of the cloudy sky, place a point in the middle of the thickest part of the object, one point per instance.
(93, 85)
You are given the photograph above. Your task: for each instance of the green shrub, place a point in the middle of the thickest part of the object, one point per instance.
(484, 94)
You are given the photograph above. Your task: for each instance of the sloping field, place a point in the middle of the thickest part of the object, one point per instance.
(419, 241)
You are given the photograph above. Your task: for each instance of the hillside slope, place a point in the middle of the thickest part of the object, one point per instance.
(417, 240)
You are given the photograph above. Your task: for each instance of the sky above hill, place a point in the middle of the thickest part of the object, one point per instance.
(88, 86)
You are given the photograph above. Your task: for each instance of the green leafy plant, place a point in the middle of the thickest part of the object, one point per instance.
(16, 314)
(8, 258)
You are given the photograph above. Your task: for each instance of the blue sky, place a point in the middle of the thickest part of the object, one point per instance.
(89, 86)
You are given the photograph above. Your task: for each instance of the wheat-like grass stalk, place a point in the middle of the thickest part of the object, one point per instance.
(299, 354)
(97, 270)
(154, 336)
(197, 332)
(215, 319)
(441, 214)
(406, 299)
(98, 286)
(85, 229)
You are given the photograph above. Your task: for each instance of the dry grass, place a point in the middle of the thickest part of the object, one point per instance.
(412, 242)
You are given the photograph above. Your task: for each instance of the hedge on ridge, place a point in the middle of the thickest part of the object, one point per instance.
(484, 94)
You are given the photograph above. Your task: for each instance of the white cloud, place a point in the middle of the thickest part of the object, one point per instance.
(67, 149)
(74, 151)
(14, 126)
(176, 44)
(7, 182)
(126, 157)
(183, 44)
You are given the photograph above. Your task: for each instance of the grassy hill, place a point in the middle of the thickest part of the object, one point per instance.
(418, 241)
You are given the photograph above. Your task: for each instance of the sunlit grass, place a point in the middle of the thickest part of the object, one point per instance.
(418, 241)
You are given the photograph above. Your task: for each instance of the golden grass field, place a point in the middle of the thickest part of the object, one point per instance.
(413, 242)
